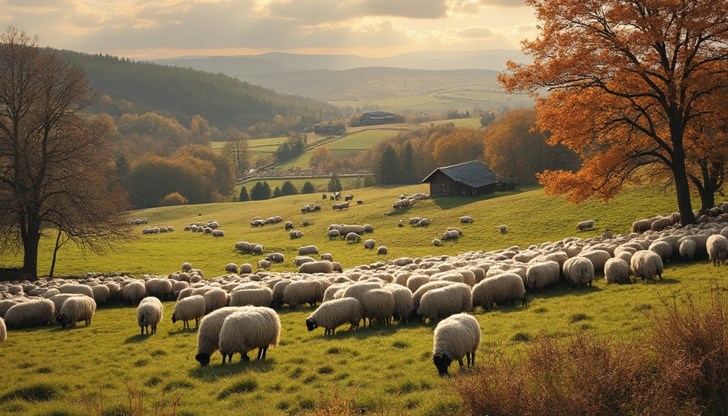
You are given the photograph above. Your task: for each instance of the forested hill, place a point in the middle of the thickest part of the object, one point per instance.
(126, 86)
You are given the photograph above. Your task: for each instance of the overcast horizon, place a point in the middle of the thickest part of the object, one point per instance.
(178, 28)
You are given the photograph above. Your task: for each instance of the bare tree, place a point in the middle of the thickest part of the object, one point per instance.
(236, 149)
(54, 160)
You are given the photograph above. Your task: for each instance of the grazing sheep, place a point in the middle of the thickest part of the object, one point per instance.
(358, 291)
(255, 297)
(646, 264)
(353, 237)
(334, 234)
(149, 313)
(641, 226)
(445, 301)
(466, 219)
(327, 256)
(289, 225)
(276, 257)
(503, 229)
(717, 247)
(423, 222)
(541, 275)
(257, 249)
(3, 331)
(333, 313)
(295, 234)
(263, 265)
(307, 250)
(450, 235)
(501, 289)
(662, 248)
(661, 223)
(102, 293)
(257, 327)
(77, 288)
(76, 309)
(299, 292)
(189, 308)
(231, 268)
(598, 259)
(382, 251)
(455, 337)
(688, 248)
(215, 298)
(585, 225)
(208, 334)
(436, 242)
(616, 271)
(426, 287)
(159, 288)
(217, 233)
(30, 313)
(299, 260)
(369, 244)
(245, 268)
(579, 271)
(60, 298)
(134, 292)
(377, 304)
(403, 303)
(316, 267)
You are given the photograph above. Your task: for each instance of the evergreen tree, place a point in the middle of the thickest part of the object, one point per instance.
(243, 195)
(260, 191)
(308, 188)
(288, 189)
(277, 192)
(408, 165)
(388, 170)
(334, 184)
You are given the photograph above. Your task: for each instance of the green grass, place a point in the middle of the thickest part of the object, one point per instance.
(382, 370)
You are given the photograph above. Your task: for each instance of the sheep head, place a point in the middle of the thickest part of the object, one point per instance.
(442, 362)
(311, 324)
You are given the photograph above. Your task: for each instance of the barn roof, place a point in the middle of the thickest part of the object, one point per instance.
(473, 174)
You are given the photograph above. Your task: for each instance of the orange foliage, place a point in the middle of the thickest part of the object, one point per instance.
(630, 84)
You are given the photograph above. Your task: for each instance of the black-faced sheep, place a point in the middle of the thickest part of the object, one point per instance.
(208, 334)
(333, 313)
(76, 309)
(455, 337)
(255, 327)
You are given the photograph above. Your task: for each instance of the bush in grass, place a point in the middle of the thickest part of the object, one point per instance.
(175, 198)
(243, 195)
(680, 367)
(288, 189)
(260, 191)
(308, 188)
(277, 192)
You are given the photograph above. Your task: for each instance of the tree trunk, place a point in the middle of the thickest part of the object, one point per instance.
(30, 250)
(707, 198)
(682, 188)
(55, 252)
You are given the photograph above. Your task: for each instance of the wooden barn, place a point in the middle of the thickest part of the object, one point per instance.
(466, 179)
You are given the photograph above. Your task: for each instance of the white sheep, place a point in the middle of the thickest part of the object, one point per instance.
(327, 256)
(77, 288)
(377, 304)
(149, 314)
(159, 288)
(134, 292)
(542, 274)
(308, 250)
(242, 331)
(501, 289)
(333, 313)
(688, 249)
(245, 268)
(215, 298)
(102, 293)
(231, 268)
(585, 225)
(3, 331)
(60, 298)
(261, 296)
(662, 248)
(369, 244)
(466, 219)
(76, 309)
(436, 242)
(264, 264)
(455, 337)
(189, 308)
(646, 264)
(403, 303)
(424, 288)
(276, 257)
(299, 292)
(616, 271)
(208, 334)
(358, 291)
(316, 267)
(597, 257)
(382, 251)
(353, 237)
(717, 247)
(445, 301)
(579, 271)
(30, 313)
(217, 233)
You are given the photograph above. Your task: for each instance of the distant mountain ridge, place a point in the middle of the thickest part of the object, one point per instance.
(334, 76)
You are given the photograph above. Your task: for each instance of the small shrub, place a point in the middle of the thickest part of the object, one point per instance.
(173, 199)
(326, 370)
(400, 344)
(244, 386)
(521, 337)
(39, 392)
(578, 317)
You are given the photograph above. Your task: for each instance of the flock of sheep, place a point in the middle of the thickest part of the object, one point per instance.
(236, 312)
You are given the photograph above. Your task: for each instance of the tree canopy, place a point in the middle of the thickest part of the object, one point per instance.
(633, 85)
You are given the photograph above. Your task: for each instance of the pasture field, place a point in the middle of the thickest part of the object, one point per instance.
(380, 370)
(461, 100)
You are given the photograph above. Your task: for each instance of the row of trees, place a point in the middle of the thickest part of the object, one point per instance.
(261, 190)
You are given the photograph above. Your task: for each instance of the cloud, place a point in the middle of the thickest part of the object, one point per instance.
(504, 3)
(480, 32)
(321, 11)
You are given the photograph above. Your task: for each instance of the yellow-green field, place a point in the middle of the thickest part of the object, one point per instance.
(380, 370)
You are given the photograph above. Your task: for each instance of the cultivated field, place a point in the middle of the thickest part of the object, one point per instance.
(380, 370)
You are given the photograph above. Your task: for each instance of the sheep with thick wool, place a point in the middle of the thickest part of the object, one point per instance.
(616, 271)
(435, 284)
(189, 308)
(159, 288)
(445, 301)
(3, 330)
(501, 289)
(102, 293)
(403, 303)
(378, 304)
(134, 292)
(585, 225)
(76, 309)
(359, 291)
(646, 264)
(149, 314)
(324, 266)
(334, 313)
(299, 260)
(597, 257)
(261, 296)
(717, 247)
(77, 288)
(60, 298)
(579, 271)
(299, 292)
(455, 337)
(255, 327)
(541, 275)
(208, 333)
(215, 298)
(30, 313)
(308, 250)
(662, 248)
(688, 249)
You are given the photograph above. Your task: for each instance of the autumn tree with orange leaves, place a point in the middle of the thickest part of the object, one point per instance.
(634, 87)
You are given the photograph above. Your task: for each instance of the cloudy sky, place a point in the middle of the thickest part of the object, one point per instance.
(170, 28)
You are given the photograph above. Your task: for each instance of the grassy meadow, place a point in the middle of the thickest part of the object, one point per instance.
(380, 370)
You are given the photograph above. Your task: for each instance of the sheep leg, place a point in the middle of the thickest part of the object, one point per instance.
(261, 353)
(460, 361)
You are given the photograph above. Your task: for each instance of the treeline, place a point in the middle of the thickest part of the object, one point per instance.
(133, 87)
(262, 190)
(508, 145)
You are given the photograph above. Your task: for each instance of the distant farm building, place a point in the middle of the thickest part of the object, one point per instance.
(466, 179)
(329, 129)
(377, 117)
